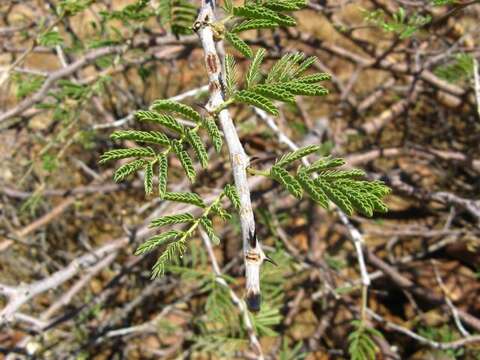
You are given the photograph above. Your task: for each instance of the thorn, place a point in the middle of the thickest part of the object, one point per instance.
(253, 301)
(252, 239)
(270, 260)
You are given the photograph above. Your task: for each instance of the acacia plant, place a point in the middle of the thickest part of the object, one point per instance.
(186, 132)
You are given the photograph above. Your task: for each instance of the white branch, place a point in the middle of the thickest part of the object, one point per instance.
(476, 80)
(253, 253)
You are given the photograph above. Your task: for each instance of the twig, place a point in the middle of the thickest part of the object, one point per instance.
(450, 305)
(235, 299)
(423, 340)
(53, 77)
(254, 255)
(21, 294)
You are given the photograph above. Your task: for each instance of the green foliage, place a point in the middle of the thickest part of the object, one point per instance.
(197, 145)
(162, 175)
(175, 240)
(290, 157)
(185, 197)
(148, 178)
(179, 15)
(26, 85)
(50, 39)
(154, 137)
(315, 192)
(266, 319)
(259, 15)
(230, 75)
(231, 192)
(283, 83)
(239, 44)
(443, 2)
(258, 12)
(253, 74)
(129, 168)
(171, 254)
(254, 24)
(208, 227)
(288, 181)
(161, 114)
(295, 353)
(443, 334)
(401, 24)
(126, 153)
(257, 100)
(172, 220)
(165, 120)
(360, 343)
(460, 69)
(178, 108)
(72, 7)
(185, 160)
(329, 183)
(156, 241)
(214, 133)
(138, 11)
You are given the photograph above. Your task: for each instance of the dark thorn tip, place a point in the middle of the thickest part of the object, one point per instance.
(254, 301)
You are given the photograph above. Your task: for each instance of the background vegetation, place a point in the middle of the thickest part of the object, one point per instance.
(403, 105)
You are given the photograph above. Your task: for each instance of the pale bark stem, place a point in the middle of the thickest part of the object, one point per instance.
(253, 253)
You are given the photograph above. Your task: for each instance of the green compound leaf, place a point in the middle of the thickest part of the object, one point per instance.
(172, 253)
(208, 227)
(314, 78)
(185, 160)
(303, 66)
(129, 168)
(335, 195)
(285, 68)
(274, 92)
(178, 108)
(284, 5)
(253, 73)
(297, 154)
(178, 14)
(239, 44)
(126, 153)
(325, 163)
(230, 75)
(162, 119)
(218, 210)
(300, 88)
(156, 241)
(141, 136)
(340, 174)
(162, 175)
(287, 180)
(260, 101)
(231, 192)
(172, 220)
(214, 133)
(197, 145)
(148, 181)
(315, 192)
(254, 24)
(260, 12)
(185, 197)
